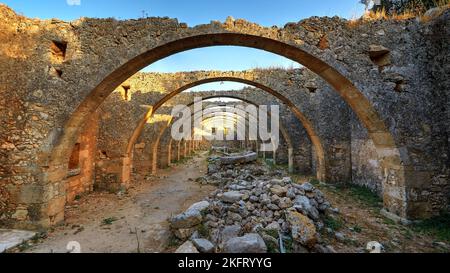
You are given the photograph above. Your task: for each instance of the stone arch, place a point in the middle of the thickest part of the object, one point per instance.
(394, 186)
(282, 128)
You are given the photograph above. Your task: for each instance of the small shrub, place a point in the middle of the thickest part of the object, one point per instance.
(314, 181)
(366, 196)
(109, 221)
(335, 223)
(173, 242)
(357, 229)
(272, 232)
(438, 226)
(23, 246)
(288, 244)
(351, 242)
(272, 247)
(408, 234)
(203, 230)
(388, 221)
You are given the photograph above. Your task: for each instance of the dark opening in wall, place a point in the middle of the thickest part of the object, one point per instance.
(59, 73)
(399, 86)
(103, 154)
(74, 162)
(55, 72)
(58, 49)
(380, 56)
(126, 94)
(213, 130)
(312, 89)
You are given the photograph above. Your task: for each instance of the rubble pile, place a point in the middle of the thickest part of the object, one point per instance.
(254, 210)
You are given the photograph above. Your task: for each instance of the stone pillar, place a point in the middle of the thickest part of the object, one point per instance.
(154, 159)
(290, 160)
(126, 171)
(169, 155)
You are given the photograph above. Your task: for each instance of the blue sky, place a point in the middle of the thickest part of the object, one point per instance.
(194, 12)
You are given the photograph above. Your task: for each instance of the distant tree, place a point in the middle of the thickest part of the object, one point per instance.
(401, 6)
(366, 3)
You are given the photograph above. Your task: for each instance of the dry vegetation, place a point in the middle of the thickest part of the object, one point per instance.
(415, 9)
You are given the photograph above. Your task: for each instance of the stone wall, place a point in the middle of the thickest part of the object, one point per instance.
(118, 128)
(287, 83)
(392, 73)
(81, 173)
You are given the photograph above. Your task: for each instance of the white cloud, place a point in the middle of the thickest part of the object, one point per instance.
(73, 2)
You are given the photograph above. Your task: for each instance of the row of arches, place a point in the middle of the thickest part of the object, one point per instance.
(394, 196)
(224, 113)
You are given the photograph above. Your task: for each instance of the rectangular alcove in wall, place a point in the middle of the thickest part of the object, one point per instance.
(74, 161)
(58, 50)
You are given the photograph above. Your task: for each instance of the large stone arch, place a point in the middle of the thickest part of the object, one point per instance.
(419, 128)
(287, 46)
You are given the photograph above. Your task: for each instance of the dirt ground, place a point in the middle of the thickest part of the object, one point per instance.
(104, 222)
(360, 221)
(137, 221)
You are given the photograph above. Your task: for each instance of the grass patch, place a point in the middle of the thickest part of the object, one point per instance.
(408, 234)
(335, 223)
(269, 162)
(203, 230)
(272, 247)
(281, 166)
(108, 221)
(314, 182)
(388, 221)
(271, 232)
(24, 246)
(351, 242)
(366, 196)
(183, 160)
(173, 242)
(357, 229)
(288, 244)
(438, 226)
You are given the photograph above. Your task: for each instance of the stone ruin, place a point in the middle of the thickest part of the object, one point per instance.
(368, 107)
(254, 210)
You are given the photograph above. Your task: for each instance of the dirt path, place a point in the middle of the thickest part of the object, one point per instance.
(103, 222)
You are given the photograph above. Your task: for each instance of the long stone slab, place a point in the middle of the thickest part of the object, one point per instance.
(10, 238)
(245, 158)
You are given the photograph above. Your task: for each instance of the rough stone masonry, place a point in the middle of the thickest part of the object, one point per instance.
(369, 107)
